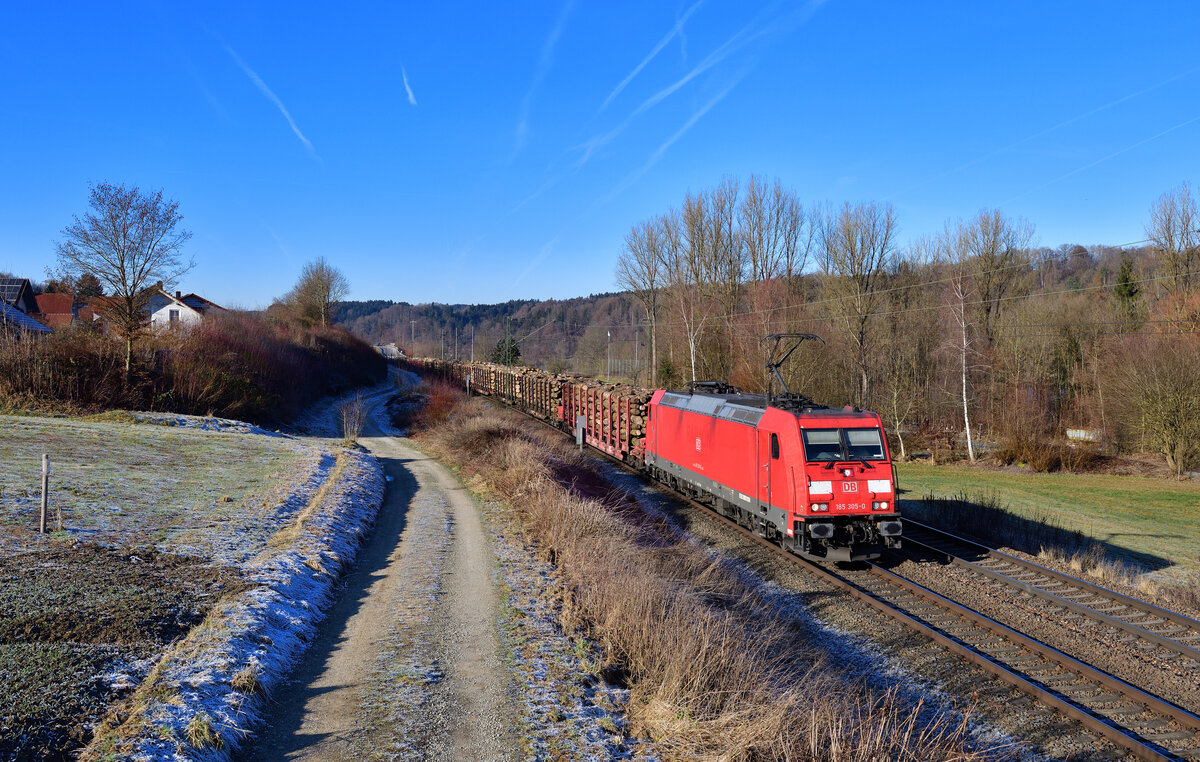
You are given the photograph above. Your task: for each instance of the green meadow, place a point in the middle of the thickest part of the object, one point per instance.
(1132, 515)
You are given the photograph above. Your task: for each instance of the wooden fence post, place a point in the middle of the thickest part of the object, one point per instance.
(45, 491)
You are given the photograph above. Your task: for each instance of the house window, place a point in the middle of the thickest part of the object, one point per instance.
(173, 316)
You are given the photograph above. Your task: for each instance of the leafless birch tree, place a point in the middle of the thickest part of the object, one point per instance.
(688, 267)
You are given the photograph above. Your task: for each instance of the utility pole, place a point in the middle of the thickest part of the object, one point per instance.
(456, 343)
(413, 348)
(609, 374)
(472, 344)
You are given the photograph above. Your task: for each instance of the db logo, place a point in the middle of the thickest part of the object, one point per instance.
(849, 486)
(697, 444)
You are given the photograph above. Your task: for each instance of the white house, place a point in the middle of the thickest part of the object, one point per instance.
(177, 311)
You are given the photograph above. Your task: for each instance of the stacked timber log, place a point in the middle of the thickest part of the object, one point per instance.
(617, 413)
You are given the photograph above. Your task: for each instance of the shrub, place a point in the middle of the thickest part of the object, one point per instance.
(440, 398)
(353, 412)
(234, 364)
(1044, 455)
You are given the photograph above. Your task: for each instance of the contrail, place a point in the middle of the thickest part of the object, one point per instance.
(412, 99)
(662, 149)
(749, 33)
(677, 29)
(544, 62)
(537, 260)
(1103, 159)
(1054, 128)
(262, 86)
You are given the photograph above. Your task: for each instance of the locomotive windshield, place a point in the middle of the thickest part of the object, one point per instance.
(842, 444)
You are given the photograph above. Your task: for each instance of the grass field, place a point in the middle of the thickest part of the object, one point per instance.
(1135, 518)
(157, 523)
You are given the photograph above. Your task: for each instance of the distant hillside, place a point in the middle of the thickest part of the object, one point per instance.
(554, 334)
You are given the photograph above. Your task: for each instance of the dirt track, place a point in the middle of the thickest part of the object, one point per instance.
(407, 664)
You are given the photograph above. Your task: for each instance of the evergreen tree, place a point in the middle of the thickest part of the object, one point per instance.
(1127, 290)
(507, 352)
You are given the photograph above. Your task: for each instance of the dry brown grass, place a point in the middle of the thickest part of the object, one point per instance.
(714, 672)
(201, 734)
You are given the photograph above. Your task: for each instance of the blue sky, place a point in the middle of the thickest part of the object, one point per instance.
(477, 152)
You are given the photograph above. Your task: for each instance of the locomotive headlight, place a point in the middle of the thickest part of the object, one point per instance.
(879, 505)
(820, 488)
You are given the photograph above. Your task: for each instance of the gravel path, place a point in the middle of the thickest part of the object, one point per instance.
(408, 663)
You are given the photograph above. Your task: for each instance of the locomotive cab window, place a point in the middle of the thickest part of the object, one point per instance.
(864, 444)
(775, 446)
(822, 444)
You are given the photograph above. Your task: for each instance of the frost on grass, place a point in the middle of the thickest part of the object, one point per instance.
(568, 711)
(264, 630)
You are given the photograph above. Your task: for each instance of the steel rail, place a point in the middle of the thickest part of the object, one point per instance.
(1097, 723)
(1090, 611)
(1127, 739)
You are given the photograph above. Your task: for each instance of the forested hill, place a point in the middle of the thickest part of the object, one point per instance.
(556, 334)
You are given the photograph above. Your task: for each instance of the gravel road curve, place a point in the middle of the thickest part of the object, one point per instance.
(407, 666)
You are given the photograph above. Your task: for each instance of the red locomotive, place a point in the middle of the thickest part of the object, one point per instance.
(816, 480)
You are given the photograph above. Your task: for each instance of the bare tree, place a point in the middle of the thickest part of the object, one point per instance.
(129, 241)
(777, 239)
(997, 252)
(952, 247)
(857, 244)
(913, 332)
(320, 285)
(1174, 219)
(689, 271)
(1156, 390)
(728, 262)
(640, 269)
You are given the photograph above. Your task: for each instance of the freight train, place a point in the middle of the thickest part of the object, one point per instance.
(814, 479)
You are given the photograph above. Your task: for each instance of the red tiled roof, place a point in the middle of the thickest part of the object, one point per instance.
(56, 320)
(55, 304)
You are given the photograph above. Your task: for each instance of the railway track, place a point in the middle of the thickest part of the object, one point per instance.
(1176, 636)
(1144, 725)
